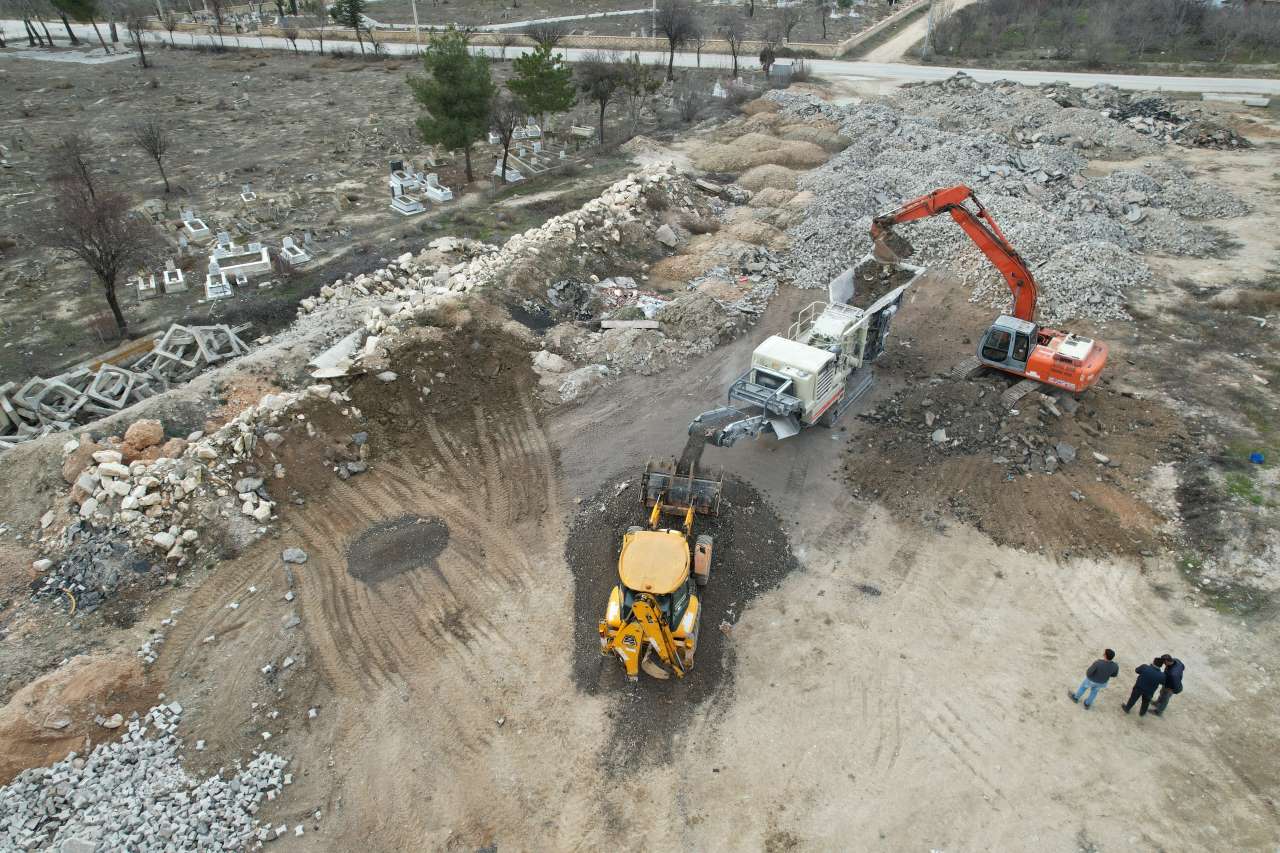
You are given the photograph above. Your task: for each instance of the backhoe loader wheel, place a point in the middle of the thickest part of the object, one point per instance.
(702, 559)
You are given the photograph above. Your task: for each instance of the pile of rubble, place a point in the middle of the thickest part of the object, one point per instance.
(41, 406)
(945, 418)
(1151, 115)
(1079, 233)
(156, 510)
(134, 794)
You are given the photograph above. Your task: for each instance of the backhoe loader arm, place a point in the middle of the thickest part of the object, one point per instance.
(980, 227)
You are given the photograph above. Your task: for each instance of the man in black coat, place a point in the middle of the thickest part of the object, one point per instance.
(1173, 669)
(1150, 678)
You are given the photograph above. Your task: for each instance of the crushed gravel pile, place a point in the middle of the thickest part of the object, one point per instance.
(135, 795)
(1084, 233)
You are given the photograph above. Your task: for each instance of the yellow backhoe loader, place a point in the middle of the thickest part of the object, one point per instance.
(653, 615)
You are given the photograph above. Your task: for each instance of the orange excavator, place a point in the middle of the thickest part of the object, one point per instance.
(1014, 343)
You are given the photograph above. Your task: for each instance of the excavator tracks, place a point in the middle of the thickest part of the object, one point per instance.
(1017, 391)
(966, 369)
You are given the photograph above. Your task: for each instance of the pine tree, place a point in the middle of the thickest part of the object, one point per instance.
(456, 91)
(350, 13)
(543, 81)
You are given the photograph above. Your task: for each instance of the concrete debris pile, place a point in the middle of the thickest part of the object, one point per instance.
(155, 513)
(690, 325)
(1152, 115)
(406, 278)
(946, 418)
(134, 794)
(42, 406)
(1044, 203)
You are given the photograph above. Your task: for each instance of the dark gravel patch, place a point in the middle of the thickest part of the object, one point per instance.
(390, 548)
(752, 555)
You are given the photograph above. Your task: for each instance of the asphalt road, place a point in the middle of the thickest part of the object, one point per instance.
(831, 69)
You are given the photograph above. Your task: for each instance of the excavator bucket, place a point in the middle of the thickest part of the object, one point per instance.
(678, 489)
(889, 247)
(652, 668)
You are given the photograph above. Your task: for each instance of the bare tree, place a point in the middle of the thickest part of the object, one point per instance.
(823, 8)
(69, 159)
(318, 10)
(508, 113)
(96, 226)
(546, 33)
(152, 136)
(939, 13)
(733, 29)
(640, 82)
(291, 35)
(136, 22)
(506, 39)
(788, 17)
(219, 10)
(698, 40)
(675, 21)
(599, 77)
(688, 99)
(171, 24)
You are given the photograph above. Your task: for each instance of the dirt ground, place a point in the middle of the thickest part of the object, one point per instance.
(313, 140)
(902, 620)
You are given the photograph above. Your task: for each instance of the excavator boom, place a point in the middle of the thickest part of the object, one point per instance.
(978, 224)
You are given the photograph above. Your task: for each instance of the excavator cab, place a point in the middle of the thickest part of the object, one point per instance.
(1008, 343)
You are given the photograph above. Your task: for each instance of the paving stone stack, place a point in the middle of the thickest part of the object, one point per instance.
(42, 406)
(134, 794)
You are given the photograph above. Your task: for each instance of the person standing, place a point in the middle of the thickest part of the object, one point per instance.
(1150, 677)
(1173, 669)
(1099, 673)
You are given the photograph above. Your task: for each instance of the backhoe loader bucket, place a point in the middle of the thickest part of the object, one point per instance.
(679, 490)
(889, 247)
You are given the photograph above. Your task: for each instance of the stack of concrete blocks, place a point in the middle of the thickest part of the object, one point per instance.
(80, 396)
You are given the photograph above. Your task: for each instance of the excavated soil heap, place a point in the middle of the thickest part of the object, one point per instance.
(751, 555)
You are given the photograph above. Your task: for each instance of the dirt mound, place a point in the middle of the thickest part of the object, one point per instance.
(772, 196)
(828, 139)
(56, 713)
(757, 149)
(399, 545)
(1027, 477)
(768, 177)
(760, 105)
(758, 233)
(444, 374)
(752, 554)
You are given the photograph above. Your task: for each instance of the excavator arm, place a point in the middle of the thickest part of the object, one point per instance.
(889, 247)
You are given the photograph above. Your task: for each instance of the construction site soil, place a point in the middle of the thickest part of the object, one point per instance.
(902, 612)
(750, 557)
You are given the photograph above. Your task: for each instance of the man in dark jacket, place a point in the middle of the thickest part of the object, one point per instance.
(1150, 677)
(1099, 673)
(1173, 669)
